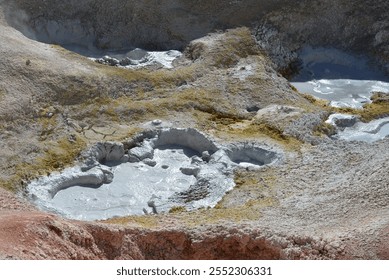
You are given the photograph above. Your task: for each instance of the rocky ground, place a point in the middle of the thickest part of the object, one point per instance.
(326, 200)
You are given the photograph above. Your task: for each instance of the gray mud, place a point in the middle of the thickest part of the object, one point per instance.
(343, 79)
(367, 132)
(164, 169)
(133, 186)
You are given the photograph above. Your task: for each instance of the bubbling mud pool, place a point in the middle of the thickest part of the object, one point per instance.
(368, 132)
(165, 169)
(343, 79)
(138, 58)
(346, 81)
(134, 185)
(343, 92)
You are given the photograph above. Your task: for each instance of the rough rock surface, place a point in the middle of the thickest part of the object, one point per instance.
(282, 27)
(327, 200)
(361, 26)
(151, 24)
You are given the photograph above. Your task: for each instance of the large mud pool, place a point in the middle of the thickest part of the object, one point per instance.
(165, 169)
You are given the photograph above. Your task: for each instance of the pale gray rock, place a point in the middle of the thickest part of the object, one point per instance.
(108, 174)
(103, 153)
(150, 162)
(304, 125)
(205, 156)
(342, 120)
(46, 188)
(221, 158)
(189, 137)
(156, 122)
(126, 61)
(142, 152)
(137, 54)
(277, 113)
(111, 61)
(190, 170)
(114, 151)
(268, 38)
(197, 160)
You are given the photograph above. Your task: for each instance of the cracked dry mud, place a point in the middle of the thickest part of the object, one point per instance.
(325, 199)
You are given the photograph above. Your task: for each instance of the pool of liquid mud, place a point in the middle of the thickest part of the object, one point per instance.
(346, 81)
(341, 78)
(168, 168)
(134, 185)
(367, 132)
(130, 59)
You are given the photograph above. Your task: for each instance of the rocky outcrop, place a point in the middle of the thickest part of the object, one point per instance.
(342, 120)
(35, 235)
(281, 27)
(360, 26)
(122, 24)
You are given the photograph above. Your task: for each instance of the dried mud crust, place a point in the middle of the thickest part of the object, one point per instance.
(8, 201)
(336, 184)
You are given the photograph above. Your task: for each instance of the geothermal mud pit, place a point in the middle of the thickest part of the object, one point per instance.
(339, 77)
(327, 199)
(134, 186)
(167, 168)
(358, 131)
(346, 81)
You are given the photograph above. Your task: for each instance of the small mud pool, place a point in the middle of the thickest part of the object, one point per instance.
(163, 169)
(346, 81)
(138, 58)
(359, 131)
(343, 79)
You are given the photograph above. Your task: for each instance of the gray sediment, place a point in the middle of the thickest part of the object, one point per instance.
(164, 168)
